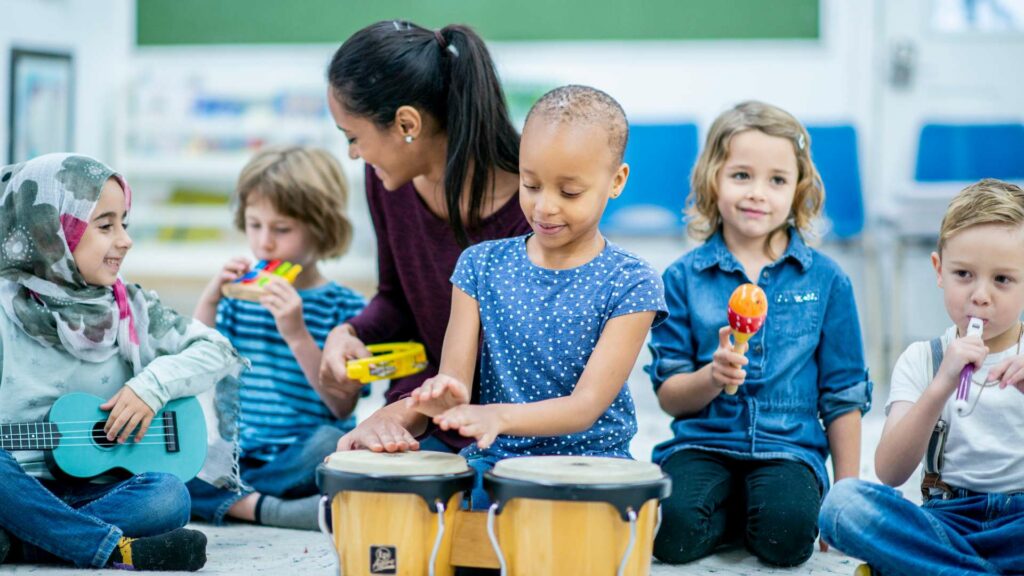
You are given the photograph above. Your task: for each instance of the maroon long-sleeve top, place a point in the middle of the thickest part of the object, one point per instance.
(416, 255)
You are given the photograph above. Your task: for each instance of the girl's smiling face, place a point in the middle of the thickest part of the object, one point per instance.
(756, 186)
(102, 248)
(568, 172)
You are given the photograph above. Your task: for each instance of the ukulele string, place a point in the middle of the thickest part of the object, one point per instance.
(85, 433)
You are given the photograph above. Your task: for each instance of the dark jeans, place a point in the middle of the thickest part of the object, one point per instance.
(290, 475)
(771, 506)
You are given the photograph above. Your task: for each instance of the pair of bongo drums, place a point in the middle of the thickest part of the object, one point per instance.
(401, 514)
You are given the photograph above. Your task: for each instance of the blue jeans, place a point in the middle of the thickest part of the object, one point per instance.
(82, 522)
(970, 533)
(290, 475)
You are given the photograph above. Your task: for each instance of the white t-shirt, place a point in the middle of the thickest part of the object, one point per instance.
(985, 449)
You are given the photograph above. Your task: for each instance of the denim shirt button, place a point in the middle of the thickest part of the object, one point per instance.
(757, 348)
(765, 274)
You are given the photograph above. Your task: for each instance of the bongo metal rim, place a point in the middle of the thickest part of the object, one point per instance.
(431, 487)
(622, 496)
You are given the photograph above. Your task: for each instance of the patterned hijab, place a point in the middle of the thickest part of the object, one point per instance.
(44, 211)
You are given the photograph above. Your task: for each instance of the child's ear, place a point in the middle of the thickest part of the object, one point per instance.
(937, 265)
(619, 179)
(408, 122)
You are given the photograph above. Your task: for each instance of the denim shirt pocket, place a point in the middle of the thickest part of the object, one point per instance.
(793, 313)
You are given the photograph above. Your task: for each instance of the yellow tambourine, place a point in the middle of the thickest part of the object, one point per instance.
(388, 361)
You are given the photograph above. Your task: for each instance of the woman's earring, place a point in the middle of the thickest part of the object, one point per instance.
(409, 138)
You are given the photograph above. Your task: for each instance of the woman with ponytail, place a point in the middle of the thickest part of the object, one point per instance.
(425, 111)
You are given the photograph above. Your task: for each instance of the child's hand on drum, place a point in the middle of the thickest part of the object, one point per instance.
(481, 422)
(285, 304)
(437, 395)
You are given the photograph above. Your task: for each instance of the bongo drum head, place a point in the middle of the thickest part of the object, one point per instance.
(433, 475)
(577, 470)
(625, 484)
(397, 464)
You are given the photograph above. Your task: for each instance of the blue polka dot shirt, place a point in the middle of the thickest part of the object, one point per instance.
(540, 327)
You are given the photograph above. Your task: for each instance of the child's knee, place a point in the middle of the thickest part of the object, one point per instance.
(783, 536)
(168, 500)
(685, 535)
(849, 493)
(782, 547)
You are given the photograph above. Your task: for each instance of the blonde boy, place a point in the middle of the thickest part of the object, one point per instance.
(972, 520)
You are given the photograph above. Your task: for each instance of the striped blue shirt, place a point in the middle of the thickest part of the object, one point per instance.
(278, 406)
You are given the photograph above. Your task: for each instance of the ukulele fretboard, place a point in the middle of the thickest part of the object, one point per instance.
(29, 436)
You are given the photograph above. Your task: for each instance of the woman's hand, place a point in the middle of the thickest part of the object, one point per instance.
(341, 346)
(380, 432)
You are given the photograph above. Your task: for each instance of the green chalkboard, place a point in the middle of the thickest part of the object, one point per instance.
(175, 22)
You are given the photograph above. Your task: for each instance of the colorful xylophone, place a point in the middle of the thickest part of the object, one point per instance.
(251, 286)
(388, 361)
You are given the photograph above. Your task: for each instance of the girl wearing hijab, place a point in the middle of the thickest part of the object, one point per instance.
(69, 323)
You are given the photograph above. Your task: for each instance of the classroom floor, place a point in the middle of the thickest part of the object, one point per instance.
(243, 549)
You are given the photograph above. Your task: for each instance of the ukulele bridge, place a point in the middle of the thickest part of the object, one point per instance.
(170, 418)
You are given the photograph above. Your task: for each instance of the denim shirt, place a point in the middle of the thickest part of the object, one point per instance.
(806, 364)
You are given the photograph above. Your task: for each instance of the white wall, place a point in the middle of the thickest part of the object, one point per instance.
(826, 80)
(99, 35)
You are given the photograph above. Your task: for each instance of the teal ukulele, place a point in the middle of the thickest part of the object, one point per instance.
(77, 447)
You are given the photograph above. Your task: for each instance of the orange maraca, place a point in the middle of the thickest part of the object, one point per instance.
(748, 307)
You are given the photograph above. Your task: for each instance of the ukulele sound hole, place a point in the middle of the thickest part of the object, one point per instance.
(100, 437)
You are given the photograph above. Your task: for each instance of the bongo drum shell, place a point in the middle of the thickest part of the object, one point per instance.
(377, 533)
(541, 537)
(384, 510)
(571, 514)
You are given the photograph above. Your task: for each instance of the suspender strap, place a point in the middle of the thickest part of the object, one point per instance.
(933, 458)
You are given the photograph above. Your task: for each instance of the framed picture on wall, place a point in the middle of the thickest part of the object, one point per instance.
(41, 102)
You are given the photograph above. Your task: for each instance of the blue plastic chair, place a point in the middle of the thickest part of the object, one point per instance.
(968, 152)
(660, 158)
(834, 151)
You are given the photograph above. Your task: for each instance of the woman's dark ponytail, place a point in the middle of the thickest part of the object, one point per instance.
(448, 74)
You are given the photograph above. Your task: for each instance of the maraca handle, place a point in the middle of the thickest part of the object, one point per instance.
(740, 347)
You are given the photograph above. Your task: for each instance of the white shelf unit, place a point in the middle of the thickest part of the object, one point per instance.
(194, 118)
